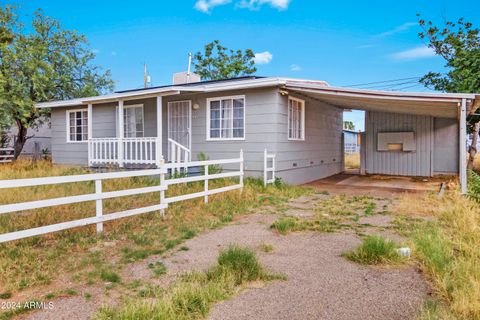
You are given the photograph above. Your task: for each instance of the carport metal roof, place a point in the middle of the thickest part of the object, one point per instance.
(432, 104)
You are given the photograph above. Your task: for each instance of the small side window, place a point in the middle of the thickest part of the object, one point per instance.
(296, 119)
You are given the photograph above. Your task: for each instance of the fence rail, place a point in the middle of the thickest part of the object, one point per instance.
(99, 195)
(6, 155)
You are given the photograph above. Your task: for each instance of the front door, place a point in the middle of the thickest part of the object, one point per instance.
(179, 122)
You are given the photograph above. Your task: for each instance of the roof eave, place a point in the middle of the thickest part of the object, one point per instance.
(172, 90)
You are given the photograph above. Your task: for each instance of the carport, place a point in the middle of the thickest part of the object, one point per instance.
(406, 134)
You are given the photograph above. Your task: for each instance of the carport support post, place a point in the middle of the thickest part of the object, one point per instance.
(463, 146)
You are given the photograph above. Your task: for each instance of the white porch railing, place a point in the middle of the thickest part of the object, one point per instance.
(120, 151)
(177, 152)
(98, 195)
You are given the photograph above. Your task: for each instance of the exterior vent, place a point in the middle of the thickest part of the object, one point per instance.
(184, 77)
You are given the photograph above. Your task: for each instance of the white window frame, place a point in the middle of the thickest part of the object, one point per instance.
(302, 120)
(67, 117)
(209, 100)
(130, 106)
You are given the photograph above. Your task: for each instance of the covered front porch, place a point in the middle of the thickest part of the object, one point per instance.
(136, 137)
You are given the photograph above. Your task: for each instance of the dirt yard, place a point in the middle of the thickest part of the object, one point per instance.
(320, 283)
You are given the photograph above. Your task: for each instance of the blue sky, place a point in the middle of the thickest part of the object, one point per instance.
(343, 42)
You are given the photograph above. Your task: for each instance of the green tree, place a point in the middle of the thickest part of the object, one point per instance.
(348, 125)
(218, 62)
(43, 63)
(458, 43)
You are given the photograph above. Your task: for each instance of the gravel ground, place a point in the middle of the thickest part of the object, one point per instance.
(323, 285)
(320, 283)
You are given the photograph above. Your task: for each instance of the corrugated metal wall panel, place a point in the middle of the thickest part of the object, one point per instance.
(416, 163)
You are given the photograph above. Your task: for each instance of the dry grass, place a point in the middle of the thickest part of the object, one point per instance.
(448, 247)
(476, 162)
(352, 161)
(192, 296)
(82, 256)
(333, 214)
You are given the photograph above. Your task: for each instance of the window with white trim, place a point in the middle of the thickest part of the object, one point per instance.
(77, 125)
(226, 118)
(296, 119)
(133, 121)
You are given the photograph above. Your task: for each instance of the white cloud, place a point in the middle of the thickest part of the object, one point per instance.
(366, 46)
(413, 54)
(263, 57)
(398, 29)
(256, 4)
(205, 5)
(295, 67)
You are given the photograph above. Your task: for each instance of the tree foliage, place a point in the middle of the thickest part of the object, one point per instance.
(43, 63)
(458, 43)
(348, 125)
(218, 62)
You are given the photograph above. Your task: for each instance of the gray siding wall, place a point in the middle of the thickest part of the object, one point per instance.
(320, 154)
(445, 155)
(261, 127)
(266, 125)
(416, 163)
(63, 152)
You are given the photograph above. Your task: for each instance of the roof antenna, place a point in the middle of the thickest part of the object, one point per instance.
(189, 65)
(145, 80)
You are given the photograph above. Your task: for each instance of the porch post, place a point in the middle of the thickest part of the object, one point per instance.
(463, 146)
(121, 133)
(90, 133)
(158, 142)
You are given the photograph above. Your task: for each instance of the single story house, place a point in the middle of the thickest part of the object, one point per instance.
(300, 121)
(351, 141)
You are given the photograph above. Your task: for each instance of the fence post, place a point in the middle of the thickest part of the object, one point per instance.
(206, 184)
(99, 205)
(161, 163)
(241, 169)
(265, 167)
(273, 167)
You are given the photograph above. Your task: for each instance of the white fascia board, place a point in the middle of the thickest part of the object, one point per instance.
(244, 84)
(132, 95)
(321, 83)
(60, 103)
(213, 87)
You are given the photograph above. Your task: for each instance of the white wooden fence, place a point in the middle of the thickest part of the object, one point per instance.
(99, 195)
(268, 167)
(6, 155)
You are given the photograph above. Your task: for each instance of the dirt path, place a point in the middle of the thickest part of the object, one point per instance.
(320, 283)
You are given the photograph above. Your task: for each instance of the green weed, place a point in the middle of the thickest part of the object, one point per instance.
(375, 251)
